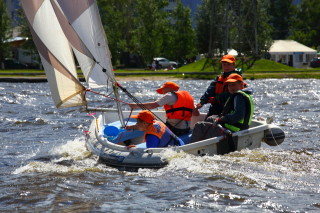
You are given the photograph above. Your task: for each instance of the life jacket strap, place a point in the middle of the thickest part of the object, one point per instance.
(179, 109)
(177, 131)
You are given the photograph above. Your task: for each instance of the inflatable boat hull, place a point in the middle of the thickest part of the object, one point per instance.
(118, 155)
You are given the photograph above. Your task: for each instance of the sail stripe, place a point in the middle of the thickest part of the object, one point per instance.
(84, 56)
(47, 28)
(70, 94)
(77, 89)
(42, 48)
(44, 51)
(31, 8)
(74, 8)
(71, 35)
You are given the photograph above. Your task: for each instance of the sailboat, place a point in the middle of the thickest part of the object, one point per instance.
(66, 31)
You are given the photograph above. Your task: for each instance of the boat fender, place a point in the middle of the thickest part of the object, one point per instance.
(148, 151)
(134, 152)
(274, 136)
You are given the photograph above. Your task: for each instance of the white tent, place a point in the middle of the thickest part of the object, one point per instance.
(232, 52)
(291, 53)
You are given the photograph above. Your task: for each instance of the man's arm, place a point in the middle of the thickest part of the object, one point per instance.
(149, 105)
(210, 92)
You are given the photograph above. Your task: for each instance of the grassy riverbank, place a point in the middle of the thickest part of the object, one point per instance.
(202, 69)
(208, 69)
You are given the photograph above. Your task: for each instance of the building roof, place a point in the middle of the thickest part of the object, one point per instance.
(289, 46)
(16, 41)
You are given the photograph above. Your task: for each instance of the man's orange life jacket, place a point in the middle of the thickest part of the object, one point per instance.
(183, 107)
(220, 85)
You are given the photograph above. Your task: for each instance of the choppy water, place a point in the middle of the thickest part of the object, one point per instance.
(46, 168)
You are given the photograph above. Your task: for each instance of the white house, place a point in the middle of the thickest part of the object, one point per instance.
(291, 53)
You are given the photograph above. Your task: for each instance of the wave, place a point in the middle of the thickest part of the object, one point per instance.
(31, 121)
(71, 157)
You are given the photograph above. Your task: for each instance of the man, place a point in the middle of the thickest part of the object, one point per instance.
(217, 87)
(178, 105)
(236, 114)
(157, 134)
(238, 110)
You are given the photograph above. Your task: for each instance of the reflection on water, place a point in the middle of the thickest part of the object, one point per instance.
(46, 167)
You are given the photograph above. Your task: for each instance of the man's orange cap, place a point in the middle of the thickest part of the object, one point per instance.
(169, 84)
(145, 116)
(228, 58)
(234, 78)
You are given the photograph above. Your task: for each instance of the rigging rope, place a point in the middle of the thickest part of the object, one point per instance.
(141, 105)
(126, 124)
(106, 96)
(135, 100)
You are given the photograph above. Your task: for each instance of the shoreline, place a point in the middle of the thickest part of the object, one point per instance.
(172, 77)
(118, 78)
(147, 78)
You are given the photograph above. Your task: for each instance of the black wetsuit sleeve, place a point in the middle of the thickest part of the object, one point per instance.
(210, 92)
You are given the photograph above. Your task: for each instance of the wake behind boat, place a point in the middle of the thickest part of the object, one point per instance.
(114, 153)
(69, 31)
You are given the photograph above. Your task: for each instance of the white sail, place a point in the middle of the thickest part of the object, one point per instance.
(89, 42)
(55, 52)
(84, 18)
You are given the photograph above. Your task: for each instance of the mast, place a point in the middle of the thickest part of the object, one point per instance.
(116, 93)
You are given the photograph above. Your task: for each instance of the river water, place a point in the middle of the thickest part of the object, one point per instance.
(46, 168)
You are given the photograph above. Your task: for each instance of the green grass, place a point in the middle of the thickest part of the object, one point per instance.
(204, 69)
(267, 65)
(213, 65)
(22, 71)
(203, 65)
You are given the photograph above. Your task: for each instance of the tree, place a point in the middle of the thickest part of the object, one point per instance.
(209, 31)
(153, 32)
(5, 32)
(29, 47)
(305, 28)
(242, 25)
(255, 31)
(135, 26)
(183, 37)
(281, 13)
(118, 21)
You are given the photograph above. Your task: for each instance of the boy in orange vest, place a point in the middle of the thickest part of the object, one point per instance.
(178, 105)
(157, 134)
(217, 87)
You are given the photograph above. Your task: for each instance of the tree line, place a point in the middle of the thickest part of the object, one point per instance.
(145, 29)
(5, 32)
